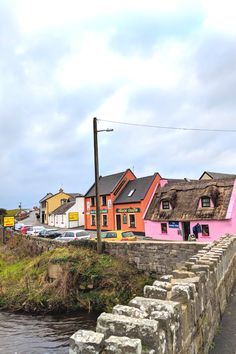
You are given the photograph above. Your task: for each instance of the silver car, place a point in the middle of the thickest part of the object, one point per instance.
(74, 235)
(35, 230)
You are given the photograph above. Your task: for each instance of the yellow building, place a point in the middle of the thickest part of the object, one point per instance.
(54, 202)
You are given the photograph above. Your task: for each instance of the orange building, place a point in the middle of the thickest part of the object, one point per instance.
(124, 199)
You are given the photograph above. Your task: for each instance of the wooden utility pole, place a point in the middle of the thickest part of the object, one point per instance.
(96, 169)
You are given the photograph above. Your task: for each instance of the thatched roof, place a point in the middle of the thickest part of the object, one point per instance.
(184, 200)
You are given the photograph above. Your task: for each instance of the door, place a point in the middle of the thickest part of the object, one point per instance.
(186, 230)
(118, 222)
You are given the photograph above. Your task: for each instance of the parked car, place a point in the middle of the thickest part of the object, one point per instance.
(25, 228)
(74, 235)
(18, 226)
(35, 230)
(118, 235)
(49, 233)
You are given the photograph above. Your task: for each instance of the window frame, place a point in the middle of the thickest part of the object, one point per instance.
(163, 202)
(104, 198)
(93, 220)
(92, 201)
(105, 216)
(164, 225)
(203, 201)
(130, 222)
(205, 234)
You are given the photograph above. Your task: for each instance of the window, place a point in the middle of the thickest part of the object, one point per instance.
(110, 235)
(131, 192)
(68, 234)
(165, 204)
(124, 219)
(63, 201)
(120, 186)
(82, 233)
(127, 234)
(206, 202)
(104, 220)
(92, 201)
(62, 219)
(93, 220)
(205, 230)
(104, 200)
(164, 228)
(132, 220)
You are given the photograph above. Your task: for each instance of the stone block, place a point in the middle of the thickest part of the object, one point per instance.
(178, 274)
(155, 292)
(162, 284)
(129, 311)
(151, 305)
(123, 326)
(122, 345)
(86, 342)
(183, 293)
(166, 278)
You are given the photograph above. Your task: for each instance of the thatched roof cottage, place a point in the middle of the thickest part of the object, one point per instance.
(207, 207)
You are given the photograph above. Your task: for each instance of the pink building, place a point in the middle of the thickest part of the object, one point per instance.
(206, 206)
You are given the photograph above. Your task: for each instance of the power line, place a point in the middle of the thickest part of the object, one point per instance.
(172, 128)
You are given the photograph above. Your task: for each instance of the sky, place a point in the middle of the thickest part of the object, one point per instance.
(159, 63)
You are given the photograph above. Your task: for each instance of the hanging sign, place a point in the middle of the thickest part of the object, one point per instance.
(73, 216)
(102, 211)
(128, 210)
(8, 221)
(173, 224)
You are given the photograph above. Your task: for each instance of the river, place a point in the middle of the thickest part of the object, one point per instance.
(26, 334)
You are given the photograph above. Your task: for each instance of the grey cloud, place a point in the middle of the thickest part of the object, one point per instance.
(142, 32)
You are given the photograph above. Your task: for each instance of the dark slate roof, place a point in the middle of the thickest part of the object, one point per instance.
(184, 199)
(63, 208)
(106, 184)
(218, 175)
(48, 195)
(140, 187)
(74, 195)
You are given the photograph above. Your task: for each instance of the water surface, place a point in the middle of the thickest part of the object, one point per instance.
(26, 334)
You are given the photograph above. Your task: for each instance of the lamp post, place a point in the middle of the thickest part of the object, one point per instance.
(96, 170)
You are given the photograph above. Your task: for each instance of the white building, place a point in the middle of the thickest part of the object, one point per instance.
(69, 214)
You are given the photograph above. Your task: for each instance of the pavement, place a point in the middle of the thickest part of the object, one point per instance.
(225, 340)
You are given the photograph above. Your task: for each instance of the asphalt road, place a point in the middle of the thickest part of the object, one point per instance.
(225, 341)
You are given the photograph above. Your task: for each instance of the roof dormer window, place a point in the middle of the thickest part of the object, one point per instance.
(131, 192)
(165, 204)
(205, 202)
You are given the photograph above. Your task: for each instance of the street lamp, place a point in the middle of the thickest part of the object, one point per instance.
(96, 168)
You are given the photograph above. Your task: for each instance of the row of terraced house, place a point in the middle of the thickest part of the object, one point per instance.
(161, 208)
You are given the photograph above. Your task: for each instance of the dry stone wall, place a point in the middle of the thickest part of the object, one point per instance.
(155, 257)
(178, 314)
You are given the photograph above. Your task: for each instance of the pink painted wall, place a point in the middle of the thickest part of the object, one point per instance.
(217, 228)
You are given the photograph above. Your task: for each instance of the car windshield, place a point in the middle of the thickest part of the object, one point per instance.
(127, 234)
(81, 233)
(109, 235)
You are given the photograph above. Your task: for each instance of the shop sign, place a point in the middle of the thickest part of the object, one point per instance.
(73, 216)
(173, 224)
(128, 210)
(8, 221)
(102, 211)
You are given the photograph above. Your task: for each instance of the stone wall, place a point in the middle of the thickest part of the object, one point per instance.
(154, 257)
(179, 314)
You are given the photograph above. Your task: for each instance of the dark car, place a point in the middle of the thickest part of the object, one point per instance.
(50, 233)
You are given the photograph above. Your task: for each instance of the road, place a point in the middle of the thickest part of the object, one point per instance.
(225, 341)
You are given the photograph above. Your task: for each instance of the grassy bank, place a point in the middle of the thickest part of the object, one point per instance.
(84, 280)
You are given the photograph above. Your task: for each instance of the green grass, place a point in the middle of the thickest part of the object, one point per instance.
(87, 280)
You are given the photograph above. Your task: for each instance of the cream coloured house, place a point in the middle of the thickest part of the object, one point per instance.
(70, 214)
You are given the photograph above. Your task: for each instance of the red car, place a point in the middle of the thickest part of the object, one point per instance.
(25, 228)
